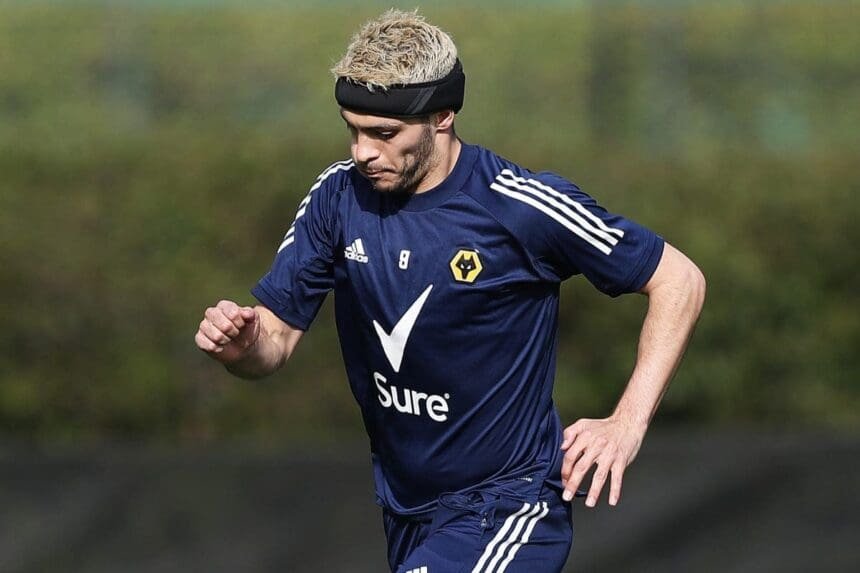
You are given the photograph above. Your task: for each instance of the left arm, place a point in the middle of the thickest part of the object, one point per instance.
(675, 293)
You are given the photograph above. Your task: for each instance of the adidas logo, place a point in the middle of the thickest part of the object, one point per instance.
(355, 252)
(418, 570)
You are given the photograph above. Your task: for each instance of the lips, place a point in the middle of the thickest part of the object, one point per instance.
(376, 173)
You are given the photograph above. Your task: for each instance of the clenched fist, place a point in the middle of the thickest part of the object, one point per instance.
(227, 331)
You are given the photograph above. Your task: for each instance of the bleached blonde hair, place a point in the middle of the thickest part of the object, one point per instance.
(397, 48)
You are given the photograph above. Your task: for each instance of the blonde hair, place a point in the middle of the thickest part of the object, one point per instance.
(397, 48)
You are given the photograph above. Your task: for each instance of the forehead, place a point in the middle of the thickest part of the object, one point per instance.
(368, 121)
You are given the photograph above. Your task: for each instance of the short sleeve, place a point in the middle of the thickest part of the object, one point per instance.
(569, 233)
(302, 273)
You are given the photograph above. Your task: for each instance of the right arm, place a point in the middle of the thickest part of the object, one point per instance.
(253, 342)
(250, 342)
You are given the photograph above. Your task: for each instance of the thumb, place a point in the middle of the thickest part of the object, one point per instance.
(248, 314)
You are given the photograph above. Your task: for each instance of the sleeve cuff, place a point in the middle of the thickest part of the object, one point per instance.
(647, 265)
(267, 299)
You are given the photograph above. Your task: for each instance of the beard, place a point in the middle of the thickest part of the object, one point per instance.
(415, 167)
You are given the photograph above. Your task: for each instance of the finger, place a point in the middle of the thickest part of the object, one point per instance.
(574, 452)
(232, 311)
(206, 345)
(567, 466)
(615, 484)
(579, 470)
(597, 481)
(569, 436)
(235, 313)
(220, 321)
(570, 457)
(572, 432)
(214, 334)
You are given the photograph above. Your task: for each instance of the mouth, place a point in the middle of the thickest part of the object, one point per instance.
(375, 174)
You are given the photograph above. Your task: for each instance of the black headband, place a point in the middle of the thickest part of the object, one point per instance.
(405, 100)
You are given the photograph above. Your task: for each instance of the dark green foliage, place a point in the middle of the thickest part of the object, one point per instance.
(151, 159)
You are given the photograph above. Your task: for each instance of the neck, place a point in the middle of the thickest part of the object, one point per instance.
(445, 155)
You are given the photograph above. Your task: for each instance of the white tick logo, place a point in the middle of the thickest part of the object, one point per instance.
(395, 343)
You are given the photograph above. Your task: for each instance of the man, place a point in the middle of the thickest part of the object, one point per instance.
(445, 261)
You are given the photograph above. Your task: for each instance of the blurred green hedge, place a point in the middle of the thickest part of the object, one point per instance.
(151, 157)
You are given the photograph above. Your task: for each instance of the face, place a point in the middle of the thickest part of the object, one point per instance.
(395, 155)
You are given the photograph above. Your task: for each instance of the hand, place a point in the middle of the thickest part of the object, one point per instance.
(609, 443)
(227, 331)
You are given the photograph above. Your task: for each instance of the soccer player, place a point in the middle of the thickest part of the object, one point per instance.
(445, 260)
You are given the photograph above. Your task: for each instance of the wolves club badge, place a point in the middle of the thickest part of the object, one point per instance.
(466, 266)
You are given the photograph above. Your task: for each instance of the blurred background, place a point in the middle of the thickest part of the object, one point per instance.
(152, 154)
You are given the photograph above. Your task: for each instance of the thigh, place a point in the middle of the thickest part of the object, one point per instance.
(403, 535)
(494, 534)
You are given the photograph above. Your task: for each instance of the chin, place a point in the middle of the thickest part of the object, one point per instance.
(388, 187)
(383, 187)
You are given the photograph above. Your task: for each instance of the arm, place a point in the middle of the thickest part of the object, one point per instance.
(250, 342)
(675, 293)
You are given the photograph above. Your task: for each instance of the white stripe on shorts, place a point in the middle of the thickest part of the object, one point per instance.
(524, 539)
(503, 548)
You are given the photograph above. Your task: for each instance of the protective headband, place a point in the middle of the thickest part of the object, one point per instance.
(405, 100)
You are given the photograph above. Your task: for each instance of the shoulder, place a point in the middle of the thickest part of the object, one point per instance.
(329, 187)
(320, 203)
(336, 177)
(520, 198)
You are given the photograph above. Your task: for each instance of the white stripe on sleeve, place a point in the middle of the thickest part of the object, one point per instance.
(289, 238)
(575, 204)
(569, 225)
(552, 200)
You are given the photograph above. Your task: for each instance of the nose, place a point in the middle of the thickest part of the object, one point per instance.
(364, 150)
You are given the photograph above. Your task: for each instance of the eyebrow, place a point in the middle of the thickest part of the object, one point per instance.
(374, 127)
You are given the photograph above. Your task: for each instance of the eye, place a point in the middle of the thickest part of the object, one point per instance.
(385, 134)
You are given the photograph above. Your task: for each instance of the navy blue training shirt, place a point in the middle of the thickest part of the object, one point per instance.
(446, 305)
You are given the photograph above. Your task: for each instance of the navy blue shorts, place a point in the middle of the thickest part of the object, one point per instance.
(483, 532)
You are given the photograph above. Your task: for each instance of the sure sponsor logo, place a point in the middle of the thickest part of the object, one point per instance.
(410, 401)
(406, 400)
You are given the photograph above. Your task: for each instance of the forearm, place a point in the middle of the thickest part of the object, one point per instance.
(674, 304)
(676, 293)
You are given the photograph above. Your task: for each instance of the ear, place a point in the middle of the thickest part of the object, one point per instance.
(444, 120)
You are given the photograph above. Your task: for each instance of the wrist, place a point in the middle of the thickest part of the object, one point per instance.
(243, 368)
(245, 363)
(634, 421)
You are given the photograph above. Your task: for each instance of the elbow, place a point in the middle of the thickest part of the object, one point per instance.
(678, 281)
(697, 286)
